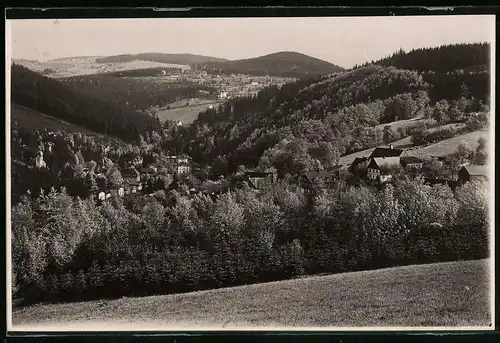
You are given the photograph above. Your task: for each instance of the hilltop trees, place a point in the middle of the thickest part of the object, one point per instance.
(442, 58)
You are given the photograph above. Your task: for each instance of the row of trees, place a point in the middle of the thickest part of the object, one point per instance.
(422, 135)
(68, 249)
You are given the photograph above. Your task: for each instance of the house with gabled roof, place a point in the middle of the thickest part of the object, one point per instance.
(183, 163)
(380, 168)
(471, 173)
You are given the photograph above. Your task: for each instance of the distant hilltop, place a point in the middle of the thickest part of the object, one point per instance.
(185, 59)
(284, 64)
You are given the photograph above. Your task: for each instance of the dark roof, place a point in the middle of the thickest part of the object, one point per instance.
(410, 160)
(386, 152)
(476, 170)
(357, 161)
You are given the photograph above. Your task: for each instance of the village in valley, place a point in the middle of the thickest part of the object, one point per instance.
(135, 175)
(174, 188)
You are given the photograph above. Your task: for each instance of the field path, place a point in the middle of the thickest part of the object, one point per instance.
(443, 294)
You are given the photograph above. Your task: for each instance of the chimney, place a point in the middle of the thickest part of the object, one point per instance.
(391, 146)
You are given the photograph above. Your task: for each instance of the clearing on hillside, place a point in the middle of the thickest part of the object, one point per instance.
(449, 146)
(179, 110)
(437, 295)
(443, 148)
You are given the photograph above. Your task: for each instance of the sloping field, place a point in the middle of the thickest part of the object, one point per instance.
(443, 148)
(442, 294)
(186, 114)
(449, 146)
(33, 120)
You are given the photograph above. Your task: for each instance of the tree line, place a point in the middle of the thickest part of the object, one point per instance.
(440, 59)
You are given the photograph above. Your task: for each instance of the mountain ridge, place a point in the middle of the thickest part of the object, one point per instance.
(178, 58)
(282, 63)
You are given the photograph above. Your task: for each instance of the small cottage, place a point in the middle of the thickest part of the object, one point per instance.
(380, 168)
(472, 172)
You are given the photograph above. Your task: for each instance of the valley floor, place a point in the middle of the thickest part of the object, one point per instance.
(437, 295)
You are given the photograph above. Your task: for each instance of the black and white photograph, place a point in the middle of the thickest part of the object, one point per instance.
(259, 173)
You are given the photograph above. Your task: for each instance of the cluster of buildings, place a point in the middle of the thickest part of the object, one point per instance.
(377, 168)
(137, 178)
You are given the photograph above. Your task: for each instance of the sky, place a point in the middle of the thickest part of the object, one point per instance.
(344, 41)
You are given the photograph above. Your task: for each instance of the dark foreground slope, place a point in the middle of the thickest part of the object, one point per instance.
(442, 294)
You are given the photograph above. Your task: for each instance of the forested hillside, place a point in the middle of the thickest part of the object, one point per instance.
(284, 64)
(316, 120)
(137, 93)
(440, 59)
(79, 106)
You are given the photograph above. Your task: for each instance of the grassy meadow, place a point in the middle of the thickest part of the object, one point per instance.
(441, 294)
(186, 113)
